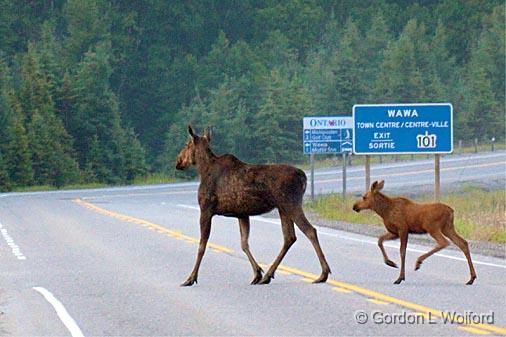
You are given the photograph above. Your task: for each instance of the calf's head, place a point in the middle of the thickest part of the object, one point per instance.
(368, 199)
(194, 146)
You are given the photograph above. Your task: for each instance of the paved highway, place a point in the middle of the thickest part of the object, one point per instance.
(110, 261)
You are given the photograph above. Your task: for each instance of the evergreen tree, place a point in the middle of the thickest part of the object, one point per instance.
(5, 184)
(13, 139)
(400, 76)
(86, 26)
(348, 71)
(50, 145)
(483, 103)
(135, 162)
(375, 42)
(95, 123)
(18, 154)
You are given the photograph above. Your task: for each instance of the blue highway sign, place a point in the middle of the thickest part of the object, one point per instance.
(324, 135)
(403, 128)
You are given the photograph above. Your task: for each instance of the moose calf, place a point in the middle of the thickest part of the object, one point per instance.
(402, 216)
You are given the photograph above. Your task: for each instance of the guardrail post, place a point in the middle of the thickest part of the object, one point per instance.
(460, 145)
(476, 145)
(493, 144)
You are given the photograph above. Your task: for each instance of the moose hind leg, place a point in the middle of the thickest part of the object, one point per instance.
(441, 244)
(310, 232)
(244, 226)
(404, 242)
(205, 230)
(289, 239)
(464, 247)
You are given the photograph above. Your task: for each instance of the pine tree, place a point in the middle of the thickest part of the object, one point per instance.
(375, 42)
(95, 122)
(135, 162)
(350, 84)
(483, 102)
(18, 154)
(50, 145)
(5, 184)
(400, 77)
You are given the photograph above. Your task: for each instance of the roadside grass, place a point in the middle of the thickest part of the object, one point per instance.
(40, 188)
(479, 213)
(155, 178)
(150, 179)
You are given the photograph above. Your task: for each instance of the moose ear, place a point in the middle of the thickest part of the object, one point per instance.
(190, 131)
(207, 134)
(377, 186)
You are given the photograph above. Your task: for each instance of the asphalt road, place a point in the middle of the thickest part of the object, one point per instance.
(110, 261)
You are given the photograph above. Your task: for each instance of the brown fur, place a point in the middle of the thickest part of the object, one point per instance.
(232, 188)
(402, 216)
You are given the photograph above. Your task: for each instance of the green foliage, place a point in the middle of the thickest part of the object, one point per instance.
(102, 91)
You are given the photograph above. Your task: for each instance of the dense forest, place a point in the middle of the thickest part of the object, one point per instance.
(101, 91)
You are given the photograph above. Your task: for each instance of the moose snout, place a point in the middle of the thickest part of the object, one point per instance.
(355, 208)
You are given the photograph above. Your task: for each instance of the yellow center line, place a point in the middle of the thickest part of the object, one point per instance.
(341, 290)
(306, 276)
(473, 330)
(375, 301)
(150, 225)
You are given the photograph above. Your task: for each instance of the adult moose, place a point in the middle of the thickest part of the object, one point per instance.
(232, 188)
(402, 216)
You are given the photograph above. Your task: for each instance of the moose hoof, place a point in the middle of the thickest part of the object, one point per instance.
(399, 280)
(322, 279)
(390, 263)
(265, 280)
(189, 282)
(257, 278)
(418, 264)
(471, 281)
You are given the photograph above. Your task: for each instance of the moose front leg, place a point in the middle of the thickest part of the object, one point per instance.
(205, 230)
(404, 242)
(385, 237)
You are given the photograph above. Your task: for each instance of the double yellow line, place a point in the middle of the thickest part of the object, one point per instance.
(344, 287)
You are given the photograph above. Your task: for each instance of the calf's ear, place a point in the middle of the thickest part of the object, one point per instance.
(207, 134)
(377, 186)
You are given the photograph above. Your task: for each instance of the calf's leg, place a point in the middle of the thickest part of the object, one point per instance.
(289, 239)
(244, 228)
(385, 237)
(404, 243)
(441, 243)
(205, 230)
(464, 246)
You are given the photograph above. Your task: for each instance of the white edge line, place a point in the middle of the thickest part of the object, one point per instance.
(278, 222)
(62, 313)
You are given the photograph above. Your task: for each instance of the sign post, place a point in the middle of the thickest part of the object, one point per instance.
(344, 176)
(311, 160)
(437, 178)
(404, 129)
(327, 135)
(367, 172)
